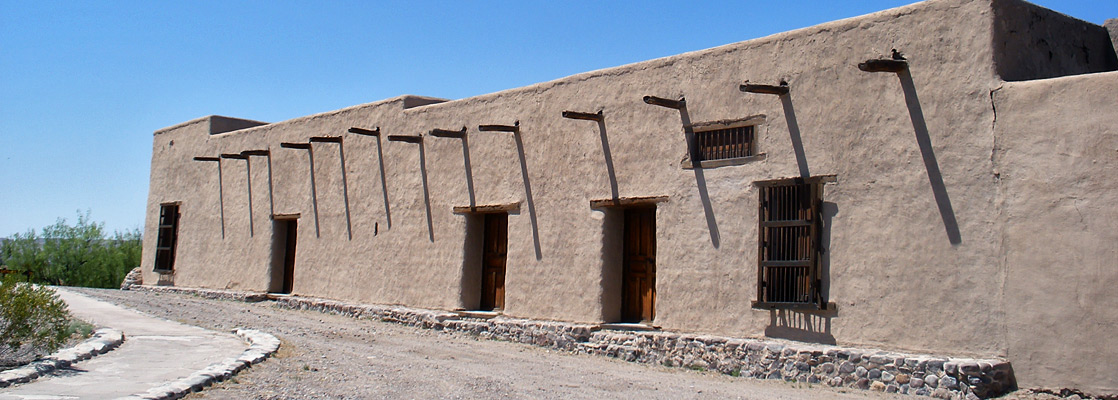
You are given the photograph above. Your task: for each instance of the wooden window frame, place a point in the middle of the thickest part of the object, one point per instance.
(726, 157)
(166, 239)
(802, 283)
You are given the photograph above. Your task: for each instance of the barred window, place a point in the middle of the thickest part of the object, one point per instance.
(167, 239)
(725, 143)
(788, 273)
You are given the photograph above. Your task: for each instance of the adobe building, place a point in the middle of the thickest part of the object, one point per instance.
(936, 178)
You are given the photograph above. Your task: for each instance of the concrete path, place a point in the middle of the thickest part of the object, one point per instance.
(155, 351)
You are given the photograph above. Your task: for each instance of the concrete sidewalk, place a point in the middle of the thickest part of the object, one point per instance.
(155, 352)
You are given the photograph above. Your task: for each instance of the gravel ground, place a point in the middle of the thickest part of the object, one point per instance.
(325, 356)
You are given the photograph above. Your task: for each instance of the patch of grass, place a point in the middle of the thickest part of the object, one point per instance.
(79, 328)
(285, 350)
(736, 373)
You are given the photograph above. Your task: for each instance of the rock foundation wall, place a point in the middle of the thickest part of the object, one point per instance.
(941, 377)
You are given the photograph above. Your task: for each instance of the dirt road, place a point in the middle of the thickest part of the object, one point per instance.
(326, 356)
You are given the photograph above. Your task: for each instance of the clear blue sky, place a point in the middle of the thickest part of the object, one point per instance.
(84, 84)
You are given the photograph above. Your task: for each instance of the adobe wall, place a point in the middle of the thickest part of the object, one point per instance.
(1057, 155)
(898, 275)
(1112, 27)
(1032, 42)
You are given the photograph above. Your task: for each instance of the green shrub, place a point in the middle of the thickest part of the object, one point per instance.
(31, 315)
(73, 255)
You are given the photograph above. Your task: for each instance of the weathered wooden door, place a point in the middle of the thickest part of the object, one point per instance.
(291, 234)
(493, 261)
(638, 290)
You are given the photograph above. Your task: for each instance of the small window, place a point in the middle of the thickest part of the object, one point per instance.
(167, 239)
(788, 273)
(721, 144)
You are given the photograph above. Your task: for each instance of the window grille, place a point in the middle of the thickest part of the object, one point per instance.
(726, 143)
(167, 239)
(788, 255)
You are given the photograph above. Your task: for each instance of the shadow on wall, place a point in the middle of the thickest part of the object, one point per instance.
(418, 140)
(924, 141)
(314, 186)
(609, 159)
(794, 133)
(700, 177)
(813, 327)
(472, 249)
(426, 192)
(829, 212)
(384, 183)
(528, 194)
(345, 182)
(600, 119)
(462, 136)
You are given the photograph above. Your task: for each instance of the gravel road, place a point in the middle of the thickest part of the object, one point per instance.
(326, 356)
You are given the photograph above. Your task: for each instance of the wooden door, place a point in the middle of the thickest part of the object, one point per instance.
(493, 258)
(638, 289)
(290, 237)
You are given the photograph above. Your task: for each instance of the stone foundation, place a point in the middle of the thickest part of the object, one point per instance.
(941, 377)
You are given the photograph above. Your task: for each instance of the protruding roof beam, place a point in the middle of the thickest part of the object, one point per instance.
(883, 65)
(514, 128)
(326, 139)
(235, 156)
(288, 145)
(366, 132)
(662, 102)
(778, 90)
(584, 116)
(446, 133)
(256, 153)
(206, 159)
(406, 138)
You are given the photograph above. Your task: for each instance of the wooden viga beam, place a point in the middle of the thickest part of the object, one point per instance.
(669, 103)
(288, 145)
(326, 139)
(598, 116)
(514, 128)
(366, 132)
(405, 138)
(447, 133)
(883, 65)
(780, 90)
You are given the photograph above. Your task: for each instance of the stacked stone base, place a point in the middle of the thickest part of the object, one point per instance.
(941, 377)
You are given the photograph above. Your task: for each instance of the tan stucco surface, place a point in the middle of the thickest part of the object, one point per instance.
(1057, 154)
(1112, 27)
(897, 276)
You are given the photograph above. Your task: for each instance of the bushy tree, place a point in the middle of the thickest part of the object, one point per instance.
(73, 255)
(31, 315)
